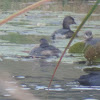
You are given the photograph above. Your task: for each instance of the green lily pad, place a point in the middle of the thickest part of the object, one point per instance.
(77, 48)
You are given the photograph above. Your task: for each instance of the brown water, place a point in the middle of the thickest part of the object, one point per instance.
(33, 75)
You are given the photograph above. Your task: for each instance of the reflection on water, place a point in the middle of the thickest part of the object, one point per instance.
(23, 33)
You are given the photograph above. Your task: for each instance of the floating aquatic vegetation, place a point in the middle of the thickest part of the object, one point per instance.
(91, 69)
(22, 39)
(77, 48)
(23, 22)
(92, 53)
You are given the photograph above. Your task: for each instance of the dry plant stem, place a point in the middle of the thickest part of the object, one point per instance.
(23, 11)
(80, 26)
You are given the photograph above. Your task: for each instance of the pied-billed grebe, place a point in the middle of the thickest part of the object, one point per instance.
(65, 32)
(44, 50)
(92, 79)
(89, 40)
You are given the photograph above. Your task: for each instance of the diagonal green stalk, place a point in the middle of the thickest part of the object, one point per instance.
(80, 26)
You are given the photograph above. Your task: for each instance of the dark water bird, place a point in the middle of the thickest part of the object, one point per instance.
(44, 50)
(89, 40)
(92, 79)
(65, 32)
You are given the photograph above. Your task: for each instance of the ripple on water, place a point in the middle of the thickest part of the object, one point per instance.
(6, 95)
(19, 77)
(40, 87)
(57, 85)
(56, 88)
(10, 89)
(26, 88)
(90, 99)
(86, 88)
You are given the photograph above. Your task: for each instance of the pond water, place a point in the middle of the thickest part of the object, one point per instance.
(23, 33)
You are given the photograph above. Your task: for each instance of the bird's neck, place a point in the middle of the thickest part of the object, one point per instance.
(88, 39)
(66, 26)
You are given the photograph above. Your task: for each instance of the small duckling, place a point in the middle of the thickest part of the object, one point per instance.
(89, 40)
(44, 50)
(65, 32)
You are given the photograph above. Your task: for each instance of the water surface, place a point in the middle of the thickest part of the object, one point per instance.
(23, 33)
